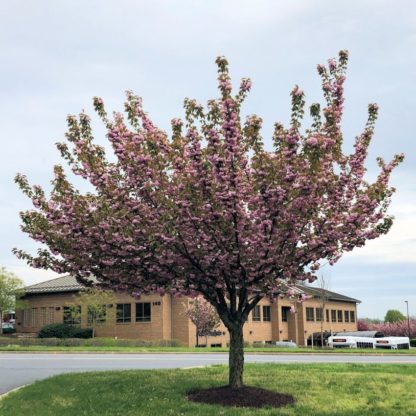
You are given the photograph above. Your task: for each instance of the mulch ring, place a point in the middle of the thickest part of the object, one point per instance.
(243, 397)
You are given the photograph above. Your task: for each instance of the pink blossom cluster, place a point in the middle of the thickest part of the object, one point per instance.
(394, 329)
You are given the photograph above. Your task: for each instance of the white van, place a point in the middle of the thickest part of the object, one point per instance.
(393, 343)
(348, 341)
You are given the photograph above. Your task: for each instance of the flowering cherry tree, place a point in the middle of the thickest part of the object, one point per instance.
(203, 315)
(210, 211)
(403, 328)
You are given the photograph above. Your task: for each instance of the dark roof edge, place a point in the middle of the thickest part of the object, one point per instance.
(51, 291)
(315, 292)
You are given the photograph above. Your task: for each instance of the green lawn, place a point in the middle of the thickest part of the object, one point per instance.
(320, 390)
(263, 350)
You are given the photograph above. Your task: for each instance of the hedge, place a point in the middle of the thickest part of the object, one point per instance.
(64, 331)
(92, 342)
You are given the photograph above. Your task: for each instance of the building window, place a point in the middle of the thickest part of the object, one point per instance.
(309, 315)
(327, 315)
(34, 316)
(285, 313)
(72, 315)
(266, 313)
(346, 316)
(256, 314)
(26, 314)
(333, 315)
(51, 314)
(96, 315)
(123, 312)
(319, 314)
(43, 316)
(352, 316)
(339, 316)
(143, 312)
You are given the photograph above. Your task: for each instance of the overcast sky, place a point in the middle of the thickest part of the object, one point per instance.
(57, 55)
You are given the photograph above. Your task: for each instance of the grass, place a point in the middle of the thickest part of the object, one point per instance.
(324, 390)
(159, 349)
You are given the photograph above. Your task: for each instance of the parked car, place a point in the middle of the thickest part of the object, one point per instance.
(316, 337)
(8, 328)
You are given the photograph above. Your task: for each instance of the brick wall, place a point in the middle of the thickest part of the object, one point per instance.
(168, 319)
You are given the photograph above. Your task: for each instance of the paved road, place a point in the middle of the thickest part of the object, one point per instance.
(17, 369)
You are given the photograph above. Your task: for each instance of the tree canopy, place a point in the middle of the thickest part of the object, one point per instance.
(93, 303)
(209, 210)
(10, 290)
(203, 316)
(394, 315)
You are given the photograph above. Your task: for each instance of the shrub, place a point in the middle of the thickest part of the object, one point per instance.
(71, 342)
(92, 342)
(55, 331)
(64, 331)
(49, 342)
(97, 342)
(124, 343)
(413, 342)
(82, 333)
(168, 343)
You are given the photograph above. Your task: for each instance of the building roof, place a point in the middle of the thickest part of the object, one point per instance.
(317, 292)
(60, 284)
(70, 284)
(364, 334)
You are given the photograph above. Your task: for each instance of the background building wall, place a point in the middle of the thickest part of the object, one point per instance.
(169, 320)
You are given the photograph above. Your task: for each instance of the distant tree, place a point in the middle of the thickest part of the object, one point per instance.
(396, 329)
(394, 315)
(96, 303)
(210, 211)
(363, 325)
(204, 316)
(323, 285)
(370, 321)
(11, 288)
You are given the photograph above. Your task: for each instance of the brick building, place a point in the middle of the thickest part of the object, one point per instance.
(155, 318)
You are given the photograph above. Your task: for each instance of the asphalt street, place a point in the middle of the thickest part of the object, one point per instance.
(18, 369)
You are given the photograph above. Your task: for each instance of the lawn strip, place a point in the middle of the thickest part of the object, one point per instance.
(324, 390)
(179, 350)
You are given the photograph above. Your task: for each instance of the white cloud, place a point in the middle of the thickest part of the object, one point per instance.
(399, 245)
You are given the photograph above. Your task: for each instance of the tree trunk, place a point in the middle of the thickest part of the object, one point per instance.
(236, 357)
(1, 322)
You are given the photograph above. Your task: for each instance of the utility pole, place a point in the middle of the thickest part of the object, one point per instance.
(408, 318)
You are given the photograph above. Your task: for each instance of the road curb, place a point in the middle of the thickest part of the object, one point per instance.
(3, 396)
(57, 352)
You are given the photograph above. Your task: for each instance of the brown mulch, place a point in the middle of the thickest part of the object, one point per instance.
(243, 397)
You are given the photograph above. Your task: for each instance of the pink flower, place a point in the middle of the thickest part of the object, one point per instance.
(312, 141)
(245, 84)
(297, 91)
